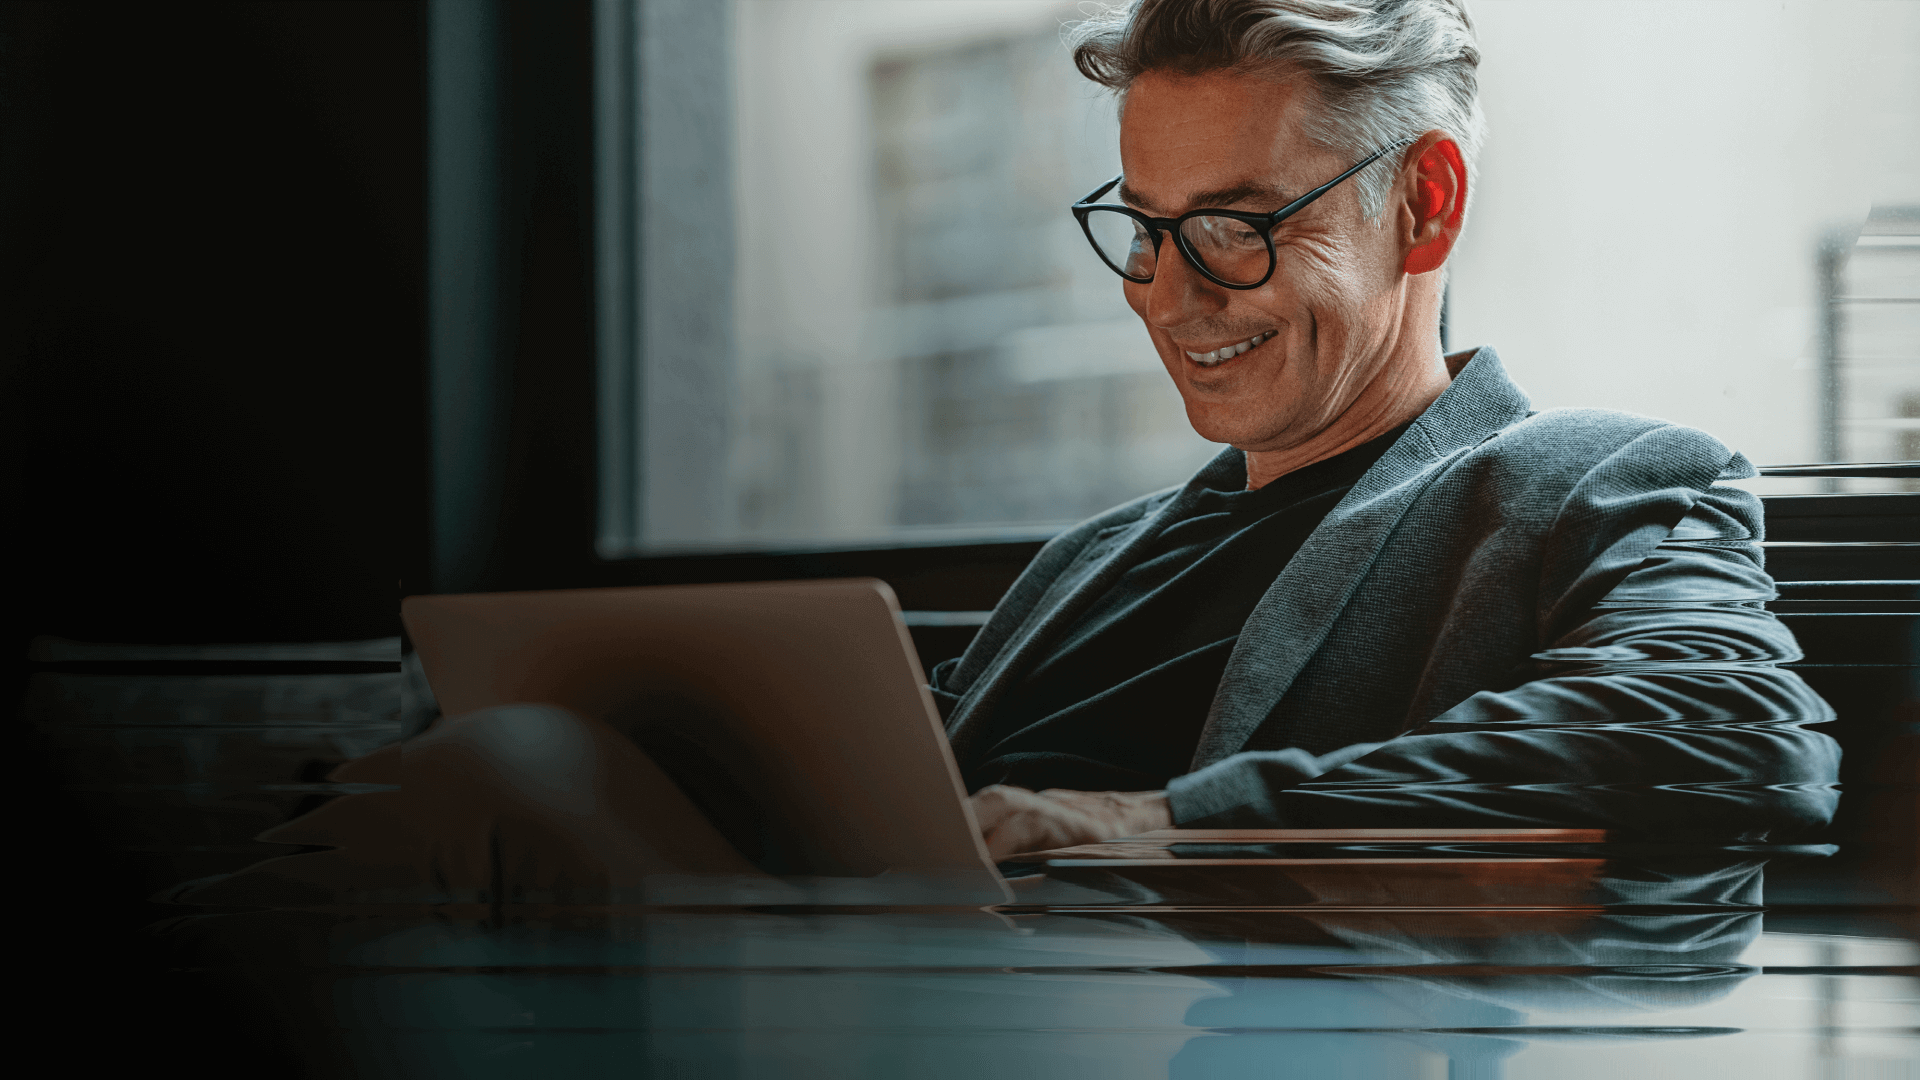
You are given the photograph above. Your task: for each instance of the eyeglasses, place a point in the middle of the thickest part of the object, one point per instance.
(1228, 247)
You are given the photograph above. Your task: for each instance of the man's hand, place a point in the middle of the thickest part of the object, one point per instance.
(1014, 819)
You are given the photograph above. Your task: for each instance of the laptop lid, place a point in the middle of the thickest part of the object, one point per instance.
(794, 714)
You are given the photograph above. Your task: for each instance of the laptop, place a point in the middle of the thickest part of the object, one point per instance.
(793, 715)
(795, 718)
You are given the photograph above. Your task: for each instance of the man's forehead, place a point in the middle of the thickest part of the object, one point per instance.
(1220, 138)
(1224, 196)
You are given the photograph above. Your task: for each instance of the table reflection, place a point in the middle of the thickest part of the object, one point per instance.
(1654, 959)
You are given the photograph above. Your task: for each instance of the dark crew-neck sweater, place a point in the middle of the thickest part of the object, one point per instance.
(1118, 703)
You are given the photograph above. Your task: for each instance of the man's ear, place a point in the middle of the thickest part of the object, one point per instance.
(1435, 201)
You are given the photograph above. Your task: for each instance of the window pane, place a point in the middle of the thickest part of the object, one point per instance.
(924, 346)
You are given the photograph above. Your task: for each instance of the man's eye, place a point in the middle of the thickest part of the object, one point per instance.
(1237, 235)
(1226, 233)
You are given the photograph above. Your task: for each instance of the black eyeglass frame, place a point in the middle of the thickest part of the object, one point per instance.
(1263, 223)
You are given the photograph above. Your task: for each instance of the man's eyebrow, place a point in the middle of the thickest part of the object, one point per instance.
(1218, 197)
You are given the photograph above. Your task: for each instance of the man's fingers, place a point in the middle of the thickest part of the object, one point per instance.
(1011, 838)
(1013, 820)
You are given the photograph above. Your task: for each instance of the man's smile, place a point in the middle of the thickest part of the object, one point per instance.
(1227, 352)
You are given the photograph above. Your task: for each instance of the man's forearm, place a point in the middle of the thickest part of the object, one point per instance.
(1730, 759)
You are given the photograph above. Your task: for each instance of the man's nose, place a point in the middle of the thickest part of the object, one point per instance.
(1178, 294)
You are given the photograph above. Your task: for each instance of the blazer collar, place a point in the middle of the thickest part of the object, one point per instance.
(1292, 620)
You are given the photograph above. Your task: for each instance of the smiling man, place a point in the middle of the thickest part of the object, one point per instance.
(1399, 596)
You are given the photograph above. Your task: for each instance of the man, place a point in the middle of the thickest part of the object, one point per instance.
(1400, 596)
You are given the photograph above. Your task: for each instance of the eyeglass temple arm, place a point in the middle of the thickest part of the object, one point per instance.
(1291, 207)
(1294, 206)
(1099, 191)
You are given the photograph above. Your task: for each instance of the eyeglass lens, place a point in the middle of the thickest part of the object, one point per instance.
(1229, 249)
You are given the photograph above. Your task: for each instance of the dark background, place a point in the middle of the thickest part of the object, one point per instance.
(214, 340)
(216, 240)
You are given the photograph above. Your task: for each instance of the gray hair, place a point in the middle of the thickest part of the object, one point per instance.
(1383, 70)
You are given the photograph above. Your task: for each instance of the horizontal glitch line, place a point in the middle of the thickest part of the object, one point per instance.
(219, 667)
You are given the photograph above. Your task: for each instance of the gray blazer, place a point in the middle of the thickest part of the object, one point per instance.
(1513, 618)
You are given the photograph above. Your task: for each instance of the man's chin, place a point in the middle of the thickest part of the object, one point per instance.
(1241, 437)
(1230, 428)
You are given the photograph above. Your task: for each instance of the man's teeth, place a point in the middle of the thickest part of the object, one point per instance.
(1227, 352)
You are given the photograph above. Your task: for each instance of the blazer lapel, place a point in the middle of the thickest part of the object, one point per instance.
(1298, 610)
(1091, 573)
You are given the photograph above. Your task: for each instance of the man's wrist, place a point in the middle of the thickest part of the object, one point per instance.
(1153, 812)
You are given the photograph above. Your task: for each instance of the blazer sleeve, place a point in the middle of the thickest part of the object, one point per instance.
(1658, 710)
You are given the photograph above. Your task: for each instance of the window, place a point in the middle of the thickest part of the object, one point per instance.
(915, 345)
(1870, 400)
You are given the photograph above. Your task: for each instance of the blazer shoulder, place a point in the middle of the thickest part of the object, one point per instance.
(1581, 440)
(1540, 467)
